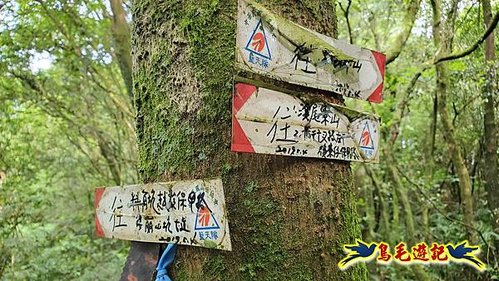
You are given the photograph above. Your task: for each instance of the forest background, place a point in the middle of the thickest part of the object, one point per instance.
(67, 126)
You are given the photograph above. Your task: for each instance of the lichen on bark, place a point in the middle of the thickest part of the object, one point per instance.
(288, 217)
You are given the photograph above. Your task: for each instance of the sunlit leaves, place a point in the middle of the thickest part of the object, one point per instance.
(66, 127)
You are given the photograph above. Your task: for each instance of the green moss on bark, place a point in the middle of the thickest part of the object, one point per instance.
(172, 137)
(350, 227)
(183, 78)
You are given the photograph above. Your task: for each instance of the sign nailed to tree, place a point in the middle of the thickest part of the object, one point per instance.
(184, 212)
(274, 47)
(271, 122)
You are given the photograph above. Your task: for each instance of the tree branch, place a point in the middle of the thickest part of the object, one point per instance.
(471, 49)
(346, 13)
(401, 106)
(401, 38)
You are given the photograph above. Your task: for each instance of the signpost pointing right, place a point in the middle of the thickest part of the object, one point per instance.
(279, 49)
(272, 122)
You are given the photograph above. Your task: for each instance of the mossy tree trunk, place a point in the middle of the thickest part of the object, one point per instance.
(491, 175)
(442, 31)
(288, 217)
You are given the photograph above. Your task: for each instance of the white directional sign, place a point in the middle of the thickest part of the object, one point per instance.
(183, 212)
(271, 122)
(274, 47)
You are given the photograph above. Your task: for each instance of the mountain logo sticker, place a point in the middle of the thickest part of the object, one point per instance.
(258, 43)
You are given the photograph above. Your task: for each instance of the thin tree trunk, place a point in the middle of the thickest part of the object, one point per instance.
(491, 174)
(407, 23)
(442, 43)
(429, 167)
(122, 37)
(411, 237)
(399, 189)
(288, 217)
(402, 192)
(395, 207)
(384, 220)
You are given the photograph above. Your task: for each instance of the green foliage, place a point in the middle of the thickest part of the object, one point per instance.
(66, 125)
(427, 172)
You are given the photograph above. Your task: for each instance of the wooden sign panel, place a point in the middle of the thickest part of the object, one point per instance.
(269, 45)
(182, 212)
(271, 122)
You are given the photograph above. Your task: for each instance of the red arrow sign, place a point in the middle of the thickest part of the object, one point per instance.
(269, 48)
(271, 122)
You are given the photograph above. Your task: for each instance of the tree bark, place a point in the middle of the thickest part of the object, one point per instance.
(369, 210)
(288, 217)
(491, 168)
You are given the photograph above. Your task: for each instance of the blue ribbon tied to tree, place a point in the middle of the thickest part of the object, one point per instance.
(164, 262)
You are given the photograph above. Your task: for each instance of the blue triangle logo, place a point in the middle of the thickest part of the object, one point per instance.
(206, 223)
(258, 43)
